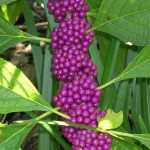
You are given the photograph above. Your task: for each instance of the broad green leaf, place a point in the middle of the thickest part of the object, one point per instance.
(112, 120)
(12, 11)
(12, 136)
(10, 35)
(138, 68)
(93, 4)
(17, 93)
(127, 20)
(3, 2)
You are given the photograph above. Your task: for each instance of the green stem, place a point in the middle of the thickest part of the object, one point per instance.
(62, 123)
(46, 114)
(40, 39)
(107, 84)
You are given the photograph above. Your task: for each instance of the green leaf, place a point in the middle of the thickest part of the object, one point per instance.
(57, 136)
(143, 138)
(139, 67)
(10, 35)
(3, 2)
(142, 125)
(112, 120)
(12, 136)
(93, 4)
(2, 126)
(17, 93)
(127, 20)
(95, 55)
(123, 145)
(12, 11)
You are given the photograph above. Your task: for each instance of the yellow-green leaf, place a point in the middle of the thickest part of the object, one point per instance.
(112, 120)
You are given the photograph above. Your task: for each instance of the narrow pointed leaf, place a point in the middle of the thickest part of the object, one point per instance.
(127, 20)
(12, 136)
(10, 35)
(138, 68)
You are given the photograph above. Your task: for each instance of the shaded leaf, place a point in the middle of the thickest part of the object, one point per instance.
(93, 5)
(10, 35)
(12, 11)
(13, 135)
(127, 20)
(95, 55)
(112, 120)
(3, 2)
(142, 125)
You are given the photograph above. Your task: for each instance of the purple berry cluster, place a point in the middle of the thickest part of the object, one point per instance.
(72, 32)
(82, 139)
(77, 97)
(61, 8)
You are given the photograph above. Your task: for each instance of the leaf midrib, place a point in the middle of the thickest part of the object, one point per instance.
(28, 98)
(19, 36)
(121, 17)
(15, 134)
(123, 74)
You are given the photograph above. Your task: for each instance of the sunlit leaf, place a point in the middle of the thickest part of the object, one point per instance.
(17, 93)
(112, 120)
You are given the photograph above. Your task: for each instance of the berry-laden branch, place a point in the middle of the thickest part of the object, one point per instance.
(77, 97)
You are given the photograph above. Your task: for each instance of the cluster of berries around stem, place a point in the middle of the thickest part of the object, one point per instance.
(77, 97)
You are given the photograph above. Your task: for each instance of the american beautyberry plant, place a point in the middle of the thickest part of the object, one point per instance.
(94, 71)
(78, 97)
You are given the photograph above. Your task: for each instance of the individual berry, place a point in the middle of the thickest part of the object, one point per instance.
(62, 9)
